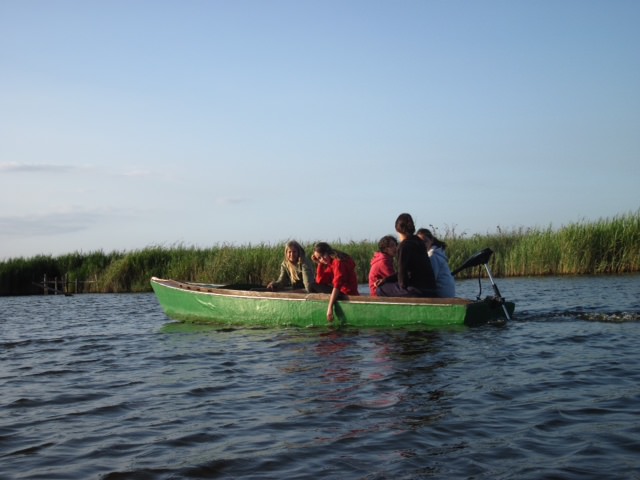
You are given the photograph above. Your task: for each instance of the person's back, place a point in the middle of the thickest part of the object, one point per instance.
(345, 276)
(445, 283)
(414, 266)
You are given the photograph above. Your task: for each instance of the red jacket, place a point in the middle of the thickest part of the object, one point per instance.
(324, 274)
(381, 267)
(340, 274)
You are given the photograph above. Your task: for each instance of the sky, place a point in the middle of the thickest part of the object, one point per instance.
(127, 124)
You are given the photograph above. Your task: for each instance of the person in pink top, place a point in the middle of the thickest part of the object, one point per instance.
(382, 266)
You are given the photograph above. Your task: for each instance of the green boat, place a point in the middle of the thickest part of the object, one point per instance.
(237, 305)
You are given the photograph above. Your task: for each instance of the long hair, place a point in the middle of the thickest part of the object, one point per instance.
(423, 232)
(405, 225)
(323, 248)
(293, 267)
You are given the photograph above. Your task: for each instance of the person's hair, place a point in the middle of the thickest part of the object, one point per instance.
(405, 225)
(323, 248)
(386, 241)
(423, 232)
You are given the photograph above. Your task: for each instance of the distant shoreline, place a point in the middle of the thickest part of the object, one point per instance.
(606, 246)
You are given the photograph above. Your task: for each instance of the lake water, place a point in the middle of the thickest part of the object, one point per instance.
(106, 387)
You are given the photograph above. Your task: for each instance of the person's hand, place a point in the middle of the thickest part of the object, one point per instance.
(330, 315)
(270, 286)
(379, 282)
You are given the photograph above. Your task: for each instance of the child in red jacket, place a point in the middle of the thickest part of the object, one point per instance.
(382, 266)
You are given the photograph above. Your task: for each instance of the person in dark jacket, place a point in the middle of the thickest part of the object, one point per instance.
(415, 276)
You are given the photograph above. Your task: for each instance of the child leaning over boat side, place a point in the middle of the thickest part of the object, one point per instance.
(296, 270)
(336, 274)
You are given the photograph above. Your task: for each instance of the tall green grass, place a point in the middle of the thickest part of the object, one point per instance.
(603, 247)
(606, 246)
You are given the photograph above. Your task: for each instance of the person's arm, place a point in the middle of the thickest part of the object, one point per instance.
(390, 279)
(388, 272)
(308, 277)
(278, 283)
(435, 265)
(324, 275)
(332, 300)
(338, 274)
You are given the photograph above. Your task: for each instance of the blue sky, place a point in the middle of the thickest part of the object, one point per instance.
(127, 124)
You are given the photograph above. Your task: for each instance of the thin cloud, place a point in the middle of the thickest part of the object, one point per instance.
(137, 173)
(15, 167)
(231, 200)
(55, 223)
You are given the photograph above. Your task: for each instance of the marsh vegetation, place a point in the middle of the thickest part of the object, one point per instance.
(606, 246)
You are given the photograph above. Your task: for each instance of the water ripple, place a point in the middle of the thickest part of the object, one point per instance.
(112, 390)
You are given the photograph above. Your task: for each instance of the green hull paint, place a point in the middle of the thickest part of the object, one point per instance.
(199, 303)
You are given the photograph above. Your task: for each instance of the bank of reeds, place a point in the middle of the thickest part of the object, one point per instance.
(607, 246)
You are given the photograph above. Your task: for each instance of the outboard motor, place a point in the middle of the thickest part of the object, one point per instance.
(482, 258)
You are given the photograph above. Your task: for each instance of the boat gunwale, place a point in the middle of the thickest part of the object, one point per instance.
(200, 288)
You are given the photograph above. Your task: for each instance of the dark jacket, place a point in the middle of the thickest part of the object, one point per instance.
(414, 266)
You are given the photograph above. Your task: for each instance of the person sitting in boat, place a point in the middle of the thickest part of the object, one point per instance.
(296, 270)
(336, 274)
(415, 276)
(382, 266)
(445, 283)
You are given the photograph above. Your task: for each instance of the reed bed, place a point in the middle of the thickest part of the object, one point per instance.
(606, 246)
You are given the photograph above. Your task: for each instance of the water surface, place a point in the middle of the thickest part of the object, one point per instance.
(106, 387)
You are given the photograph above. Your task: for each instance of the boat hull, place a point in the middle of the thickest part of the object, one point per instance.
(199, 303)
